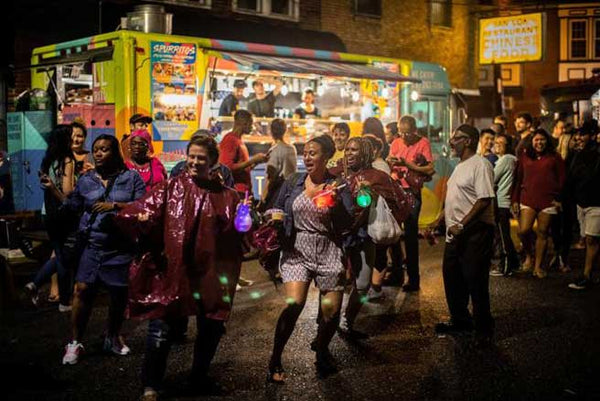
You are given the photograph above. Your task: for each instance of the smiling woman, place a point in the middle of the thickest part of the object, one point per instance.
(191, 267)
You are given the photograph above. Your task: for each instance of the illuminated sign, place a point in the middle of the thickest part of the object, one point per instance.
(513, 39)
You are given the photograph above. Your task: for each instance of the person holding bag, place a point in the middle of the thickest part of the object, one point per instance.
(104, 258)
(361, 176)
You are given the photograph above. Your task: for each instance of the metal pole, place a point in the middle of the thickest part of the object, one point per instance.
(100, 16)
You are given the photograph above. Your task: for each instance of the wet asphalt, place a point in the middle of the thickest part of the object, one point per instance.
(546, 347)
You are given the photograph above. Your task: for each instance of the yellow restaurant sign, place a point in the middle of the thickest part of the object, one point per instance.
(513, 39)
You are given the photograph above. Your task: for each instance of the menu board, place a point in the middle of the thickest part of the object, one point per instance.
(174, 91)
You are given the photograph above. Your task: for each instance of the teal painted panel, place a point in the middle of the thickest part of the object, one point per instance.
(38, 125)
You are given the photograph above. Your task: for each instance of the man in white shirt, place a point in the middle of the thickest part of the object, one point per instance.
(469, 216)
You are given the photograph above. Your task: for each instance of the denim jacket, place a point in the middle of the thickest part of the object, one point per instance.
(341, 213)
(128, 187)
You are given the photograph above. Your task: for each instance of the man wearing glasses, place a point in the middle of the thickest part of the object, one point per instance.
(469, 213)
(410, 155)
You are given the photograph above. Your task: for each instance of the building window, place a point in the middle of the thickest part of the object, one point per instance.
(597, 38)
(371, 8)
(578, 39)
(248, 5)
(441, 13)
(286, 9)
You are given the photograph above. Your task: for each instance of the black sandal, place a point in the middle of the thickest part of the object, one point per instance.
(276, 370)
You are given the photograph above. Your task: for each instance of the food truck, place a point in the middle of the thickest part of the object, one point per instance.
(181, 81)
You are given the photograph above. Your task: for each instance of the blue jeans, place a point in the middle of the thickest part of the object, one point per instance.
(55, 265)
(159, 341)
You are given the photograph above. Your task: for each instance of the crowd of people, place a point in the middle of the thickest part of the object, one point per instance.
(170, 247)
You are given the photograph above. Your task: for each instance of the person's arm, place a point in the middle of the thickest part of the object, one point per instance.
(228, 152)
(426, 169)
(278, 84)
(500, 169)
(484, 188)
(139, 217)
(68, 180)
(425, 150)
(516, 189)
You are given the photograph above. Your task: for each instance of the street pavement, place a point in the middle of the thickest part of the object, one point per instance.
(547, 347)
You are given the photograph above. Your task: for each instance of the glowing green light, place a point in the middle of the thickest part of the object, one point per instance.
(223, 280)
(363, 199)
(326, 301)
(255, 295)
(364, 299)
(196, 295)
(227, 298)
(290, 301)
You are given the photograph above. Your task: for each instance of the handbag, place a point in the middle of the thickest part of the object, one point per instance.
(383, 227)
(266, 240)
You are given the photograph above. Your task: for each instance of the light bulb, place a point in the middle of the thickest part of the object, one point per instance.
(414, 95)
(385, 92)
(355, 96)
(284, 90)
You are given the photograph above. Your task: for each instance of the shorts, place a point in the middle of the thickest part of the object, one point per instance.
(547, 210)
(314, 257)
(591, 220)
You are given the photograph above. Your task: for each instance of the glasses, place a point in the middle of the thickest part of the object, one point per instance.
(138, 144)
(458, 138)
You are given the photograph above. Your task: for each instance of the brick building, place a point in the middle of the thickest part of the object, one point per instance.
(571, 51)
(437, 31)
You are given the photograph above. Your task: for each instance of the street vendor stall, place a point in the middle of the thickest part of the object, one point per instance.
(182, 81)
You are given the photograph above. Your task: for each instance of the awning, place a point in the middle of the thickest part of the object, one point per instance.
(318, 67)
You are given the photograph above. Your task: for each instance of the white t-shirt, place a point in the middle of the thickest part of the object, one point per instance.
(471, 180)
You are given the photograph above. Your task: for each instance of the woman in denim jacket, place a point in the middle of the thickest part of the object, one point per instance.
(312, 249)
(105, 259)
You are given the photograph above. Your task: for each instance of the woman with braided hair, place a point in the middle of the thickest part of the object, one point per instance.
(359, 173)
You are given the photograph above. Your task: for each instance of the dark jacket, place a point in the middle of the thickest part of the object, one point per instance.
(342, 212)
(583, 177)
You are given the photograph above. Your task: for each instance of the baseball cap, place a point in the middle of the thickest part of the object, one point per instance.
(137, 118)
(239, 83)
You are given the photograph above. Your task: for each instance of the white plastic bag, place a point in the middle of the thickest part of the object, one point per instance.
(383, 227)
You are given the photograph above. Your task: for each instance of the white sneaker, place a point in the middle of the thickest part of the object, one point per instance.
(116, 347)
(32, 293)
(72, 352)
(64, 308)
